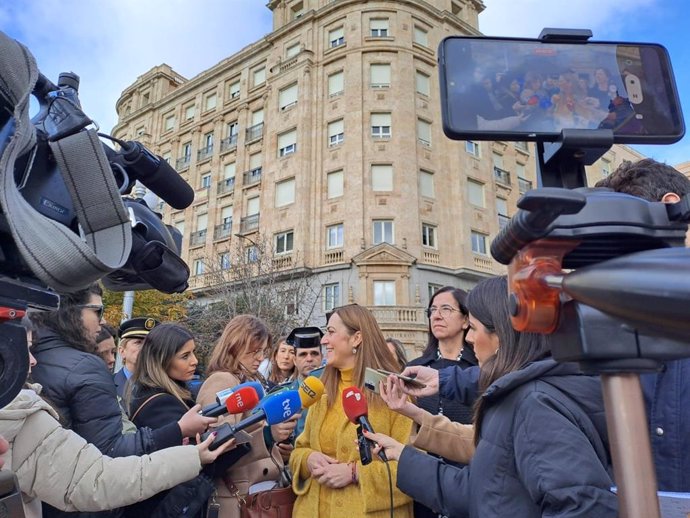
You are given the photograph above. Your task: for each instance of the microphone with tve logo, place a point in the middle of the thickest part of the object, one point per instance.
(219, 408)
(355, 407)
(274, 409)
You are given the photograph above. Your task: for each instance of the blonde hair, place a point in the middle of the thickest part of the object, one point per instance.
(239, 335)
(372, 352)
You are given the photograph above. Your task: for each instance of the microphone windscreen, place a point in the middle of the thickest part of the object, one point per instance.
(223, 395)
(242, 400)
(354, 404)
(281, 407)
(310, 391)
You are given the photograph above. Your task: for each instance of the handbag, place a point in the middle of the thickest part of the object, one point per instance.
(272, 503)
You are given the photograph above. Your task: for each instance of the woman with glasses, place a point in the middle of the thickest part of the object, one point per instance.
(235, 359)
(446, 347)
(329, 477)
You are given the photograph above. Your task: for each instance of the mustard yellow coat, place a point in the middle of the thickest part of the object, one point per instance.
(369, 498)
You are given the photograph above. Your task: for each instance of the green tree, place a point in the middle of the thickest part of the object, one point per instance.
(148, 303)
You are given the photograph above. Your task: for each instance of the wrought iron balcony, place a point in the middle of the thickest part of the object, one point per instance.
(502, 176)
(228, 144)
(226, 186)
(255, 132)
(197, 238)
(182, 163)
(252, 176)
(223, 230)
(249, 224)
(204, 153)
(524, 185)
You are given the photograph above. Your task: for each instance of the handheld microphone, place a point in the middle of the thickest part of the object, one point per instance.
(238, 402)
(275, 409)
(218, 408)
(355, 407)
(310, 391)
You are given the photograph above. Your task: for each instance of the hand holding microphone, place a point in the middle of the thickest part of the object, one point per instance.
(384, 444)
(355, 407)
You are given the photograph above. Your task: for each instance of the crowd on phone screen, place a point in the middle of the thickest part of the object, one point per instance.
(499, 428)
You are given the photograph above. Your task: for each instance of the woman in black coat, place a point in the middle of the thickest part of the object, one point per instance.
(157, 395)
(540, 431)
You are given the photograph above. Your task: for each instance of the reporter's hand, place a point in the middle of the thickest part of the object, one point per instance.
(335, 475)
(392, 447)
(426, 375)
(285, 450)
(206, 455)
(317, 462)
(193, 422)
(281, 431)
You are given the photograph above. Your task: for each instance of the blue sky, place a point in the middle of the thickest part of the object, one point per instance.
(111, 42)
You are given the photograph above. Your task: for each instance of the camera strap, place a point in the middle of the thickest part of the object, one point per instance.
(59, 257)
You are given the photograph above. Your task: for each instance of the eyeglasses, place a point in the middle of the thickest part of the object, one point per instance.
(444, 311)
(98, 308)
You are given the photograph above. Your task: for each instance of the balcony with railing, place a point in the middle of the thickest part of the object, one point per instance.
(226, 186)
(333, 257)
(228, 144)
(252, 176)
(483, 263)
(431, 257)
(222, 231)
(198, 238)
(502, 176)
(524, 185)
(204, 153)
(182, 163)
(249, 224)
(399, 315)
(281, 262)
(255, 132)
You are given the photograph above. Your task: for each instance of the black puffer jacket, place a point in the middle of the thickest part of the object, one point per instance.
(79, 385)
(543, 452)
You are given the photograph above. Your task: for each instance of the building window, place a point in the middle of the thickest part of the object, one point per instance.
(429, 235)
(336, 37)
(475, 193)
(284, 242)
(252, 254)
(335, 181)
(189, 112)
(331, 296)
(421, 36)
(433, 288)
(422, 82)
(169, 122)
(206, 181)
(382, 177)
(336, 84)
(334, 236)
(472, 148)
(287, 97)
(253, 206)
(287, 143)
(166, 156)
(379, 27)
(502, 212)
(297, 11)
(383, 231)
(605, 169)
(292, 51)
(478, 242)
(226, 217)
(210, 103)
(336, 134)
(384, 293)
(179, 225)
(199, 267)
(259, 76)
(380, 75)
(229, 171)
(381, 125)
(424, 132)
(523, 146)
(285, 192)
(234, 90)
(187, 150)
(426, 184)
(224, 260)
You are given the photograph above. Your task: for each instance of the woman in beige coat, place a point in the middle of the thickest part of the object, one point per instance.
(235, 359)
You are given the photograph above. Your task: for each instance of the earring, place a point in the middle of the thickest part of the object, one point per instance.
(354, 350)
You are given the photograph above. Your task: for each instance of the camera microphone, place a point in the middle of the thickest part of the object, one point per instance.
(355, 407)
(238, 402)
(156, 174)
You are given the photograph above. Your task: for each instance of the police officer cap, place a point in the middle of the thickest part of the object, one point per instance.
(137, 327)
(305, 337)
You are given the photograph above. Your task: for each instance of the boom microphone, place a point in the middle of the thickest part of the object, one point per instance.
(275, 409)
(355, 407)
(238, 402)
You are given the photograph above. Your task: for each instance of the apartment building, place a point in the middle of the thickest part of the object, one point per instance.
(325, 138)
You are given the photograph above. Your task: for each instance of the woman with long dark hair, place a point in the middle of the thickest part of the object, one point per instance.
(540, 431)
(157, 396)
(282, 363)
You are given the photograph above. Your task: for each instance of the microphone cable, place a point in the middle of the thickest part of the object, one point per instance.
(390, 484)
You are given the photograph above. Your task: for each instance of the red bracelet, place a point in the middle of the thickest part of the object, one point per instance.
(354, 472)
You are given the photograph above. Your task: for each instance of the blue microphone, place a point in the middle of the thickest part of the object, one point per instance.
(275, 409)
(218, 408)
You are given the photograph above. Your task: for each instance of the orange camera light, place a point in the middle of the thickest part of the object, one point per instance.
(534, 304)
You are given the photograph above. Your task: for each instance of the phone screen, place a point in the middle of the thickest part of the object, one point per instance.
(503, 88)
